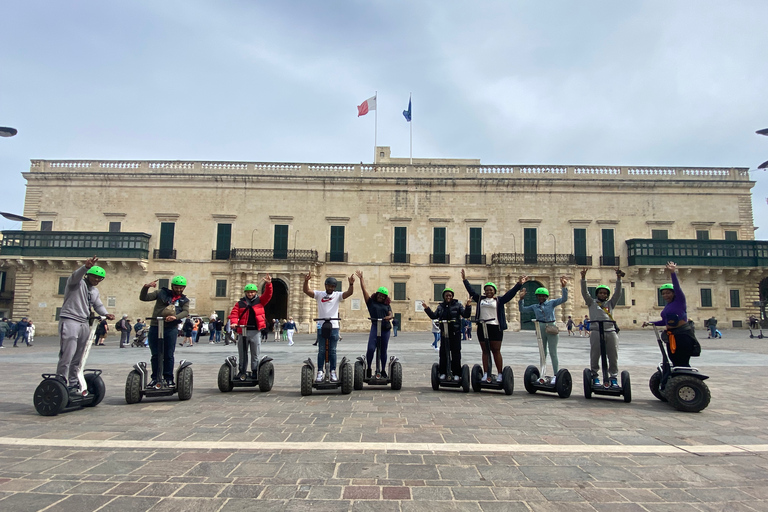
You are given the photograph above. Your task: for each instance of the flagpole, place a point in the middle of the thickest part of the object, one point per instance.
(375, 124)
(411, 126)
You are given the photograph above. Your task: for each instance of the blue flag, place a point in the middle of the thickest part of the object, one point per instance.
(407, 113)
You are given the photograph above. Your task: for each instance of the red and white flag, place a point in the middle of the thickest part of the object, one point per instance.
(366, 106)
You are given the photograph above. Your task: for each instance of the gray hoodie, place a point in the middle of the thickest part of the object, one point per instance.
(79, 297)
(602, 311)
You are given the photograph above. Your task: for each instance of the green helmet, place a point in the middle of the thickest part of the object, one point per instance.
(490, 284)
(602, 287)
(382, 290)
(97, 271)
(250, 287)
(447, 290)
(179, 281)
(667, 286)
(541, 291)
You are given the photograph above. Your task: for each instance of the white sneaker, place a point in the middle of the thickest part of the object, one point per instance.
(498, 378)
(485, 376)
(442, 376)
(437, 349)
(553, 380)
(320, 376)
(291, 343)
(334, 378)
(456, 378)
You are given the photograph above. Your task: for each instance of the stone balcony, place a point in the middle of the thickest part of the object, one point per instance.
(705, 253)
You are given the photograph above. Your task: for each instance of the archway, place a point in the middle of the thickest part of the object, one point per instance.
(277, 307)
(526, 323)
(763, 299)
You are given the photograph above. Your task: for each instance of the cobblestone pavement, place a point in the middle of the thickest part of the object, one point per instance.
(415, 449)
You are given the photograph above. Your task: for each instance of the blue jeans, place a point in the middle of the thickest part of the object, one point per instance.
(218, 337)
(712, 329)
(2, 337)
(437, 338)
(382, 350)
(170, 335)
(24, 337)
(394, 328)
(321, 349)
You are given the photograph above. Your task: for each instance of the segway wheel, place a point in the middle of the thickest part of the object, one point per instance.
(626, 386)
(96, 387)
(347, 379)
(397, 376)
(225, 378)
(687, 394)
(185, 383)
(477, 374)
(655, 384)
(358, 375)
(133, 388)
(435, 377)
(531, 376)
(508, 380)
(587, 379)
(564, 383)
(50, 397)
(306, 380)
(266, 376)
(465, 378)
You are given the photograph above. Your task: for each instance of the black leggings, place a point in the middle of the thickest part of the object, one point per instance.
(455, 354)
(684, 341)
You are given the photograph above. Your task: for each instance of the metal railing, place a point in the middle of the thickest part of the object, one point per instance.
(71, 244)
(474, 259)
(272, 255)
(511, 258)
(610, 261)
(164, 254)
(340, 257)
(399, 257)
(440, 259)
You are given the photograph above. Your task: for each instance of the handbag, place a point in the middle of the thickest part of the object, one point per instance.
(552, 329)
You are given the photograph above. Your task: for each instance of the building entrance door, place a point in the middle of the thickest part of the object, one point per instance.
(526, 323)
(277, 307)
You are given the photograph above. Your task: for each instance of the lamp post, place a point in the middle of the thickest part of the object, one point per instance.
(6, 131)
(253, 233)
(555, 247)
(764, 131)
(295, 234)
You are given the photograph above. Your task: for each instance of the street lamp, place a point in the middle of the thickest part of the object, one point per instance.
(555, 244)
(295, 234)
(6, 131)
(13, 216)
(764, 131)
(253, 233)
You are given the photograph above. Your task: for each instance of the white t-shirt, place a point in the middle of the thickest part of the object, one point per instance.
(328, 306)
(488, 311)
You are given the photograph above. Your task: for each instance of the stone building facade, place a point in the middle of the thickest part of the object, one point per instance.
(409, 227)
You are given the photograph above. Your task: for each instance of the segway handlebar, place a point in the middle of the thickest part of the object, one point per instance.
(318, 319)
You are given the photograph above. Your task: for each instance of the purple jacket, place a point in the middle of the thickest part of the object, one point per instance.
(676, 307)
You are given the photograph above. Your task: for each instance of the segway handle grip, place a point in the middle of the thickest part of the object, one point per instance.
(479, 321)
(318, 319)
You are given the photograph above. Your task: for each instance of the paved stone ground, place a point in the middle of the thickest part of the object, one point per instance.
(377, 449)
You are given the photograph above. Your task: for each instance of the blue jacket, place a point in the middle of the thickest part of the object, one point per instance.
(544, 312)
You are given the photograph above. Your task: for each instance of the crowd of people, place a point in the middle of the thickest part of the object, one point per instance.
(23, 330)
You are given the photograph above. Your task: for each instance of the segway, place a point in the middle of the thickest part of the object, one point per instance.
(230, 375)
(624, 389)
(137, 383)
(448, 381)
(753, 335)
(346, 377)
(52, 395)
(683, 387)
(363, 374)
(535, 380)
(507, 382)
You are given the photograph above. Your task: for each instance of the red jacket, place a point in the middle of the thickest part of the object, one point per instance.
(239, 314)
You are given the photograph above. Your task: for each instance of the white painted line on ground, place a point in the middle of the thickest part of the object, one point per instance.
(383, 447)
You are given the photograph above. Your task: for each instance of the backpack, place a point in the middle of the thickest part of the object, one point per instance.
(117, 325)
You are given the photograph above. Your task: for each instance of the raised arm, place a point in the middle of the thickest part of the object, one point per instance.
(511, 293)
(367, 297)
(617, 292)
(351, 288)
(307, 291)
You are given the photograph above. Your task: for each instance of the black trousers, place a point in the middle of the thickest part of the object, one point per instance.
(455, 343)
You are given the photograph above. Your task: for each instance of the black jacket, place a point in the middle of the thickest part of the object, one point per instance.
(454, 310)
(500, 301)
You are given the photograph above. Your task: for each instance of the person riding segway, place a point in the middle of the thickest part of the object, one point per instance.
(246, 320)
(327, 338)
(491, 321)
(378, 342)
(71, 387)
(675, 380)
(536, 379)
(604, 342)
(171, 307)
(449, 372)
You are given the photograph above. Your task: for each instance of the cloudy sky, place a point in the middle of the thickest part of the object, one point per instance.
(681, 83)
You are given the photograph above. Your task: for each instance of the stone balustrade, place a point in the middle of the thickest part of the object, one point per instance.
(384, 170)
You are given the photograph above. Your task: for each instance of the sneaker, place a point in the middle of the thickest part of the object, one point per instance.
(291, 343)
(437, 349)
(29, 345)
(498, 378)
(152, 384)
(456, 378)
(211, 342)
(383, 374)
(596, 381)
(368, 373)
(442, 376)
(552, 381)
(334, 377)
(2, 346)
(320, 376)
(169, 383)
(485, 376)
(614, 382)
